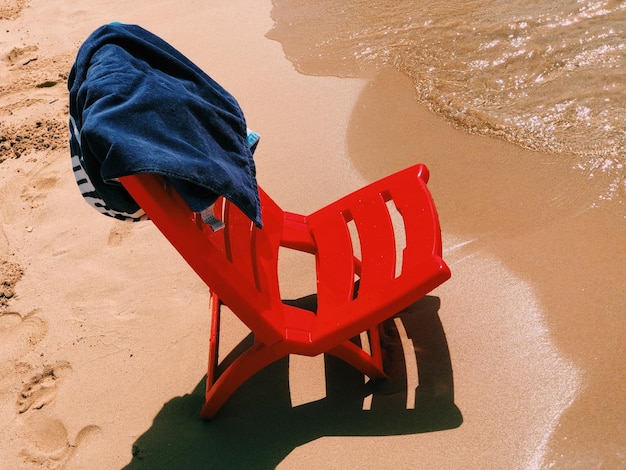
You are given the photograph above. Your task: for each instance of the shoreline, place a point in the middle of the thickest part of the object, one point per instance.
(546, 221)
(531, 316)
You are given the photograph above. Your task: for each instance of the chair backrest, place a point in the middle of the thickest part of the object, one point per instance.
(386, 285)
(238, 262)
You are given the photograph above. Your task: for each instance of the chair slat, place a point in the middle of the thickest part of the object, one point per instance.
(335, 260)
(421, 226)
(238, 241)
(378, 246)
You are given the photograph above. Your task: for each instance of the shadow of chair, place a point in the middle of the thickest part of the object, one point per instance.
(258, 427)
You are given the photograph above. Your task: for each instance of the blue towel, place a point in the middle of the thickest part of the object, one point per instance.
(137, 105)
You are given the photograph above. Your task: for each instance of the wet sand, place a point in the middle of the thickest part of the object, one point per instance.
(550, 227)
(104, 329)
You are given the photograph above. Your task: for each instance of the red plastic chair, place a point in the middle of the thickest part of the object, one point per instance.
(355, 291)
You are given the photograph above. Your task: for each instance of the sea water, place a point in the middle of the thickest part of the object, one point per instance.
(548, 75)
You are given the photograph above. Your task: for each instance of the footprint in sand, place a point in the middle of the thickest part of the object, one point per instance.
(19, 335)
(38, 189)
(22, 55)
(47, 443)
(42, 388)
(118, 232)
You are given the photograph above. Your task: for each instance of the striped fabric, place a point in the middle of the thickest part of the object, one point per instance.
(89, 192)
(87, 188)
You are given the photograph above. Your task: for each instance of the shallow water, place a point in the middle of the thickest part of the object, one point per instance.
(547, 75)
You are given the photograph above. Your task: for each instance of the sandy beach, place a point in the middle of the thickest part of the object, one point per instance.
(104, 328)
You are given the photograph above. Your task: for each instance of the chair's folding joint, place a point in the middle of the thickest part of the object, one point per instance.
(209, 218)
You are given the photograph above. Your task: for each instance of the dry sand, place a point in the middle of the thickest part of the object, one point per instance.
(103, 328)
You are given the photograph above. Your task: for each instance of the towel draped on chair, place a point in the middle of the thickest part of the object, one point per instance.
(137, 105)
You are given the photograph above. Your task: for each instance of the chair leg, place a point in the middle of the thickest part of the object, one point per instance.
(245, 366)
(214, 339)
(369, 364)
(375, 345)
